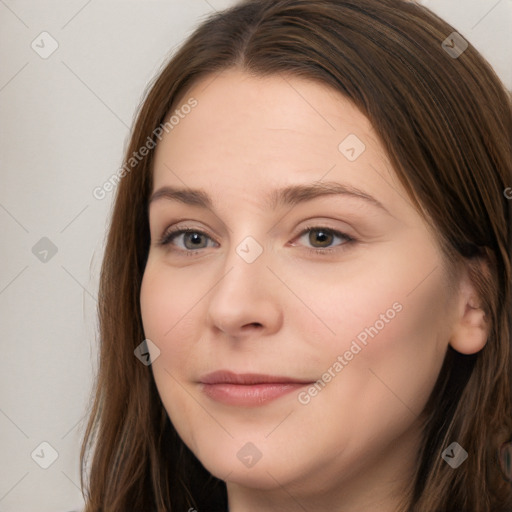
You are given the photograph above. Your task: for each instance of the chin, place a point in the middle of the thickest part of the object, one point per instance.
(257, 465)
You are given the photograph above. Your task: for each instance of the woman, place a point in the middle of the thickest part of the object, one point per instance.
(309, 256)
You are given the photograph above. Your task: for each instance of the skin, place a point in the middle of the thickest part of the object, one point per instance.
(292, 312)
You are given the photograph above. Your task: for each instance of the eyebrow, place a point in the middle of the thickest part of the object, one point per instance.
(290, 195)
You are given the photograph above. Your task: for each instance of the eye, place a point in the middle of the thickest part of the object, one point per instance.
(322, 238)
(190, 239)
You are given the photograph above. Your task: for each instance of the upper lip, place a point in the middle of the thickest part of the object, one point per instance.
(228, 377)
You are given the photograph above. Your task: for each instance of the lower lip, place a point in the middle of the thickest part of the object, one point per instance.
(249, 394)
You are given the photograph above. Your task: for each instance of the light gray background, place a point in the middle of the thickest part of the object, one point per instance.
(64, 124)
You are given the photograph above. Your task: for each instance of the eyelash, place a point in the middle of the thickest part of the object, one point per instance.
(173, 233)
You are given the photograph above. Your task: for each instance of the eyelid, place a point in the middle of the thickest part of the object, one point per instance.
(318, 225)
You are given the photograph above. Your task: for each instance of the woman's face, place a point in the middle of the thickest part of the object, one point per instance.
(303, 320)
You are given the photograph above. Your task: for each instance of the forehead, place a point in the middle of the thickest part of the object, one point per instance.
(263, 132)
(294, 106)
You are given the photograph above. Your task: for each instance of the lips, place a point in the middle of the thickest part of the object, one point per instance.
(227, 377)
(247, 389)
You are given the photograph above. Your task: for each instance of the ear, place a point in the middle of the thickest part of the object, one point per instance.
(471, 328)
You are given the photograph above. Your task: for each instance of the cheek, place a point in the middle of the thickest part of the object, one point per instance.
(168, 311)
(169, 321)
(165, 322)
(389, 325)
(378, 391)
(396, 295)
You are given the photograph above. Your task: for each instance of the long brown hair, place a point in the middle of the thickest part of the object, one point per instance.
(446, 124)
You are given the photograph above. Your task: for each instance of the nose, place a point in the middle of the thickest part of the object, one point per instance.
(245, 301)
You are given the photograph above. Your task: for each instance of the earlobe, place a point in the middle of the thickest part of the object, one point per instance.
(471, 329)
